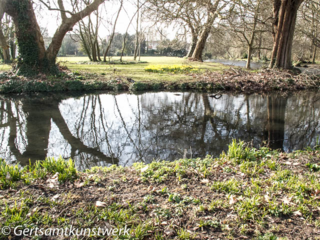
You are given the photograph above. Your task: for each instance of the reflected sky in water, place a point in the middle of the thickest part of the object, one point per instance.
(102, 129)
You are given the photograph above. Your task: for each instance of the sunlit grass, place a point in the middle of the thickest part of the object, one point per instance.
(133, 70)
(137, 71)
(5, 67)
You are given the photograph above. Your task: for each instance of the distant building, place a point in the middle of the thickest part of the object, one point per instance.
(152, 45)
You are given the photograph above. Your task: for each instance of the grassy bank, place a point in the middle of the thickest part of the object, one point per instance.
(157, 73)
(245, 194)
(131, 69)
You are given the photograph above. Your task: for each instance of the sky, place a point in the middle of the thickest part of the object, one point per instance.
(51, 19)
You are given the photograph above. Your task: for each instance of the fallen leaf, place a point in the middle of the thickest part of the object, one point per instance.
(100, 173)
(55, 197)
(79, 184)
(8, 176)
(169, 232)
(100, 204)
(233, 200)
(204, 181)
(297, 213)
(54, 181)
(286, 200)
(144, 169)
(266, 198)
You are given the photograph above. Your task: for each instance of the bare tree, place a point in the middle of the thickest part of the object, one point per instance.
(113, 32)
(248, 23)
(33, 53)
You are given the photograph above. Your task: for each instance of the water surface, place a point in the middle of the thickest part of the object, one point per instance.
(100, 129)
(238, 63)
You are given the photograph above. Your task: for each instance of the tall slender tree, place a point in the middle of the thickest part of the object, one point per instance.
(113, 32)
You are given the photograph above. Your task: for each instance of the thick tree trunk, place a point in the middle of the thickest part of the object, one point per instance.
(34, 57)
(30, 41)
(201, 43)
(193, 45)
(285, 22)
(314, 55)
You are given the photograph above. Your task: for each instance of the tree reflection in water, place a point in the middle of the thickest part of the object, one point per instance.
(103, 129)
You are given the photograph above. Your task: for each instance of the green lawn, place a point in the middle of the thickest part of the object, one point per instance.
(131, 69)
(4, 67)
(136, 71)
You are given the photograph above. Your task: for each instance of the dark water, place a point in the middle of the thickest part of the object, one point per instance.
(102, 129)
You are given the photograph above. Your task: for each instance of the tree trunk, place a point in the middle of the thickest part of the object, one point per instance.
(260, 45)
(201, 43)
(85, 44)
(30, 41)
(94, 52)
(249, 57)
(137, 35)
(98, 51)
(123, 45)
(314, 55)
(5, 48)
(285, 17)
(113, 32)
(34, 58)
(193, 45)
(13, 47)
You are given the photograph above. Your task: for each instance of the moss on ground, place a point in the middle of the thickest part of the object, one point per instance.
(246, 193)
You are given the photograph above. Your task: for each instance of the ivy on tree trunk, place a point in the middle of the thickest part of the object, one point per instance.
(34, 57)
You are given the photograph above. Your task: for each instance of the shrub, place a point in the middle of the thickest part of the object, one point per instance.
(8, 174)
(208, 55)
(139, 86)
(75, 85)
(66, 169)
